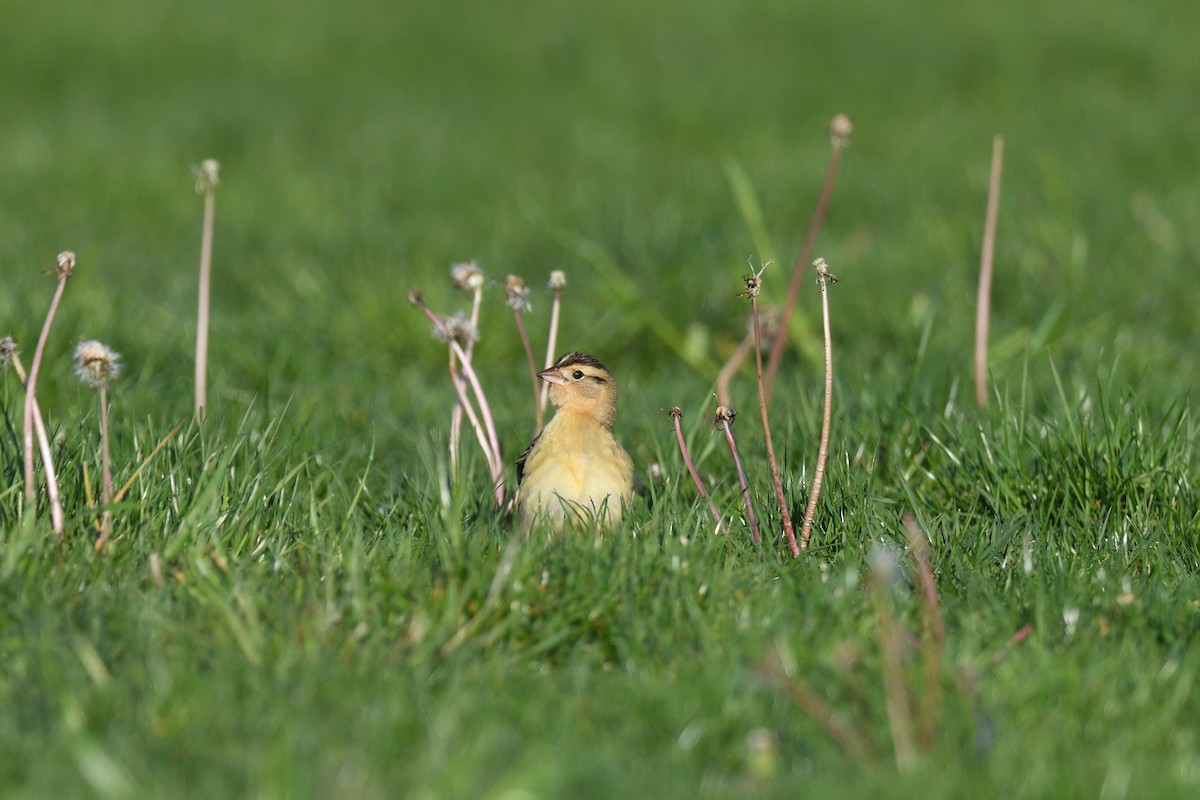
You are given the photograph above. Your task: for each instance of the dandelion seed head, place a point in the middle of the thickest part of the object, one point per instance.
(457, 328)
(517, 294)
(207, 175)
(824, 276)
(8, 349)
(558, 281)
(753, 281)
(468, 277)
(64, 265)
(840, 129)
(96, 363)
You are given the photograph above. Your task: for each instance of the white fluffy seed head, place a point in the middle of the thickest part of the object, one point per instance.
(207, 175)
(468, 277)
(8, 349)
(96, 363)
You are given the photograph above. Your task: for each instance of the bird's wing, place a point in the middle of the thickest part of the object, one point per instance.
(521, 459)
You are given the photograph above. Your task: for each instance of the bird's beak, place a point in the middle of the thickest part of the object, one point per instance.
(552, 376)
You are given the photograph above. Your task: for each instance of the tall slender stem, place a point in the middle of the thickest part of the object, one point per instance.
(839, 135)
(730, 368)
(65, 266)
(457, 414)
(983, 303)
(824, 278)
(106, 479)
(788, 530)
(492, 452)
(551, 344)
(677, 415)
(207, 179)
(39, 426)
(533, 371)
(725, 418)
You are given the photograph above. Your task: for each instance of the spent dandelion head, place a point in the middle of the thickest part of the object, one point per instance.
(8, 349)
(824, 276)
(840, 129)
(64, 265)
(753, 281)
(557, 282)
(516, 294)
(458, 328)
(468, 277)
(96, 363)
(207, 175)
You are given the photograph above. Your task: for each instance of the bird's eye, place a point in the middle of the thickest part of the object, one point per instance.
(577, 374)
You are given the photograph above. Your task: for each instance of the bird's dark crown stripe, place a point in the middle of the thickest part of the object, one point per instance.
(577, 360)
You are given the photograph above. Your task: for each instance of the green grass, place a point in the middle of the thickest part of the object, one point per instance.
(323, 622)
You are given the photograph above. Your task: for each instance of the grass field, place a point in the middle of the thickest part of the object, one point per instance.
(298, 602)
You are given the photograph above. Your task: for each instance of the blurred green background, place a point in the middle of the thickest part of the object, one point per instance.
(367, 145)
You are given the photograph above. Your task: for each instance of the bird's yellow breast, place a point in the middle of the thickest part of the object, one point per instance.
(577, 471)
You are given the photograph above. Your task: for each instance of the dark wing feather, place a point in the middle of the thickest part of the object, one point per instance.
(523, 457)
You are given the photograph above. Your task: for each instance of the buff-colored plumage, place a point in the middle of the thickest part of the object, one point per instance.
(575, 471)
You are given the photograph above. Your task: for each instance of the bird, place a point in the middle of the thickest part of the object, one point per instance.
(575, 472)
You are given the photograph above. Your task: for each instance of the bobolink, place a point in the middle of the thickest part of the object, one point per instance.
(575, 470)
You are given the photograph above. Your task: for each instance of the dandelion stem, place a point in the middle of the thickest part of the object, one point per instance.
(64, 267)
(677, 415)
(983, 303)
(824, 278)
(106, 480)
(492, 452)
(752, 287)
(56, 511)
(730, 368)
(517, 297)
(206, 181)
(552, 339)
(495, 468)
(725, 417)
(533, 371)
(457, 414)
(839, 135)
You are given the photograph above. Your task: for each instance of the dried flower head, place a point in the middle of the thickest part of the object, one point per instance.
(824, 276)
(458, 328)
(517, 294)
(8, 349)
(840, 129)
(558, 281)
(468, 277)
(754, 282)
(96, 364)
(64, 265)
(207, 175)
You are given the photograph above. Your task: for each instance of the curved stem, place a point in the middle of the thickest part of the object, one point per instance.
(30, 395)
(788, 530)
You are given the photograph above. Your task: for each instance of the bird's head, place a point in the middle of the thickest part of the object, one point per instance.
(579, 384)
